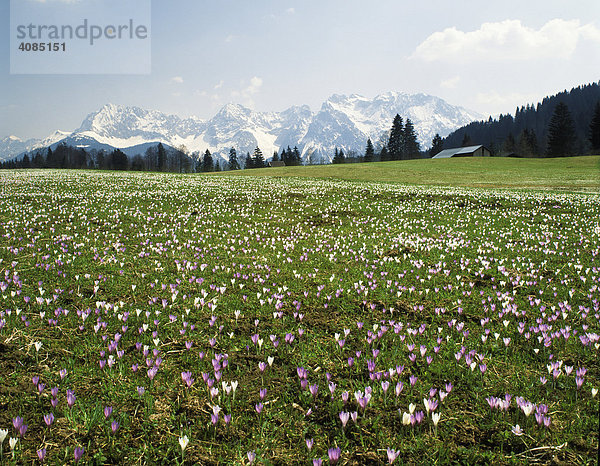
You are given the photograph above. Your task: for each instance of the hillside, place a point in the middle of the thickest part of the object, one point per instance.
(497, 133)
(580, 174)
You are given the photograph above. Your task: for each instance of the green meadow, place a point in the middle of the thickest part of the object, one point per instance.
(567, 173)
(421, 312)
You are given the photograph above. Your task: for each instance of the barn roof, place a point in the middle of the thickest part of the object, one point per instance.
(447, 153)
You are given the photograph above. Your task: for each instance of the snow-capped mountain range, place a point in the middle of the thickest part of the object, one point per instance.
(343, 121)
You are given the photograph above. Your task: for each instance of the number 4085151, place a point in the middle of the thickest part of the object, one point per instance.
(42, 47)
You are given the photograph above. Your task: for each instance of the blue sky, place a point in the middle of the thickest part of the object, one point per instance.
(269, 55)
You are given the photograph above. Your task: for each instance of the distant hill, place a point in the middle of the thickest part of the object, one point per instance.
(504, 134)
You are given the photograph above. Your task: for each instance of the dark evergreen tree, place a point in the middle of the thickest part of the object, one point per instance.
(275, 157)
(410, 144)
(369, 151)
(467, 141)
(233, 161)
(395, 143)
(594, 136)
(561, 132)
(248, 162)
(533, 144)
(119, 160)
(510, 145)
(258, 161)
(162, 157)
(38, 160)
(207, 162)
(137, 164)
(296, 158)
(527, 145)
(338, 157)
(217, 166)
(437, 145)
(25, 163)
(384, 155)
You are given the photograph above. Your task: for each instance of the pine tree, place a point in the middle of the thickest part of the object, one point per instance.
(296, 158)
(410, 144)
(369, 151)
(561, 132)
(467, 141)
(275, 157)
(384, 155)
(527, 145)
(233, 161)
(437, 145)
(595, 129)
(338, 157)
(162, 157)
(119, 160)
(258, 161)
(248, 163)
(207, 162)
(396, 138)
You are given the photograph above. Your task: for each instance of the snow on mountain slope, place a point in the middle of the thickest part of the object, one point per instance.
(343, 121)
(12, 146)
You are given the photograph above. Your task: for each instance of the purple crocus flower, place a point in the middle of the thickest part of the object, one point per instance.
(49, 419)
(344, 417)
(334, 455)
(41, 453)
(392, 455)
(17, 422)
(70, 397)
(78, 453)
(309, 443)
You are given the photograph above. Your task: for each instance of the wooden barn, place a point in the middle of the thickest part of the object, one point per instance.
(276, 163)
(469, 151)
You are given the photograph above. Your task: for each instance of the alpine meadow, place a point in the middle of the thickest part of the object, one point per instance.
(224, 319)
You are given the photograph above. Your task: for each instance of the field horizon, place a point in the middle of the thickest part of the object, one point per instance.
(570, 174)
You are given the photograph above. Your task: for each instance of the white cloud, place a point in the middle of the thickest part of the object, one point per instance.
(255, 85)
(244, 95)
(496, 101)
(450, 83)
(219, 85)
(230, 38)
(177, 79)
(290, 11)
(507, 40)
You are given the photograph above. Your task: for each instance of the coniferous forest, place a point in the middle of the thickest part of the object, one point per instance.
(564, 124)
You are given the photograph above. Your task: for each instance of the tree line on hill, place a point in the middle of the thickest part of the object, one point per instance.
(565, 124)
(156, 158)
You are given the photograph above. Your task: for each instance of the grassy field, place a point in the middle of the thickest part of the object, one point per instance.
(572, 174)
(190, 319)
